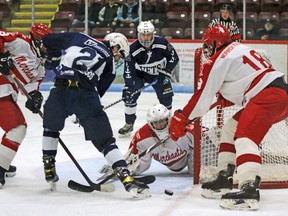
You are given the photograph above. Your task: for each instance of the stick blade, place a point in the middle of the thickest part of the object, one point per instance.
(88, 189)
(79, 187)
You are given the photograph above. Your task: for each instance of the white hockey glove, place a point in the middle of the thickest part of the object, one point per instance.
(132, 160)
(106, 170)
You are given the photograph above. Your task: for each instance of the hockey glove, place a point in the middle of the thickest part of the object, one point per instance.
(177, 126)
(132, 160)
(127, 96)
(6, 63)
(34, 103)
(52, 62)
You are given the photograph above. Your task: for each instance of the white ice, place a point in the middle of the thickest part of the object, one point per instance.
(28, 193)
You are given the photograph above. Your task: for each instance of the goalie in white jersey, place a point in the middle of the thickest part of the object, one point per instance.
(246, 79)
(175, 155)
(22, 55)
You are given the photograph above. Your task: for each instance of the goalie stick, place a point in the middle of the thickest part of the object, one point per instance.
(145, 179)
(98, 187)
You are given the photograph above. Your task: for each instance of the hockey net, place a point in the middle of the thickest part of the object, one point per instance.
(273, 148)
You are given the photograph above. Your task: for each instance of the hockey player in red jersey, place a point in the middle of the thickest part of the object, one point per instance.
(244, 78)
(21, 55)
(175, 155)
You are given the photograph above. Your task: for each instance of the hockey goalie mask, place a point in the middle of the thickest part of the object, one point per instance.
(214, 38)
(37, 33)
(146, 33)
(158, 118)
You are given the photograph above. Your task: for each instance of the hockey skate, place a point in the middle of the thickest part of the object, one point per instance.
(246, 199)
(137, 189)
(11, 172)
(50, 171)
(2, 176)
(221, 185)
(126, 130)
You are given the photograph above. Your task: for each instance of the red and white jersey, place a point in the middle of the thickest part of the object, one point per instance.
(28, 67)
(237, 72)
(173, 155)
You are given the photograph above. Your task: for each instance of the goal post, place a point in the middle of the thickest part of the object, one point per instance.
(273, 148)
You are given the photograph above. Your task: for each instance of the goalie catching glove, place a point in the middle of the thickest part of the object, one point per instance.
(34, 102)
(6, 63)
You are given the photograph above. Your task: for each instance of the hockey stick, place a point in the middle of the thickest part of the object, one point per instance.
(134, 93)
(98, 187)
(146, 179)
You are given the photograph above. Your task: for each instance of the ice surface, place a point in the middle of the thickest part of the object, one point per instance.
(28, 193)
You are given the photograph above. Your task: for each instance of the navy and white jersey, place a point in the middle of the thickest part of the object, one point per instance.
(83, 59)
(146, 63)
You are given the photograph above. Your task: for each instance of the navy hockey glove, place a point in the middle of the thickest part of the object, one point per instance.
(6, 63)
(127, 96)
(52, 62)
(34, 103)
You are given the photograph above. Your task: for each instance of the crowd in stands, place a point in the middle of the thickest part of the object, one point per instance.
(172, 18)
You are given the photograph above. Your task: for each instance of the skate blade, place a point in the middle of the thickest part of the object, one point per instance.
(10, 174)
(125, 135)
(136, 193)
(239, 204)
(210, 194)
(53, 186)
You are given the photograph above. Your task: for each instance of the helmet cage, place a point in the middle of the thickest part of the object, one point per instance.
(146, 28)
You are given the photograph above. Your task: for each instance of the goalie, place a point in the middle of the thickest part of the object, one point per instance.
(175, 155)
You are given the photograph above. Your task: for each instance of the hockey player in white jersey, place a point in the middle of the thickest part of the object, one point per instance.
(151, 58)
(244, 78)
(175, 155)
(22, 55)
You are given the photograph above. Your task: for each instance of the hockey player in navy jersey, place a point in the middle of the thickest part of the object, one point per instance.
(151, 58)
(84, 69)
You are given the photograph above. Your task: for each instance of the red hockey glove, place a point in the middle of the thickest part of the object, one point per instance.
(177, 126)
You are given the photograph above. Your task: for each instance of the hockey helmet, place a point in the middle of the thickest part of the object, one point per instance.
(226, 7)
(214, 38)
(114, 39)
(146, 33)
(37, 33)
(158, 118)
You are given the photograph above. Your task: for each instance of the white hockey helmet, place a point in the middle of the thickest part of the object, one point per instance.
(114, 39)
(158, 118)
(146, 27)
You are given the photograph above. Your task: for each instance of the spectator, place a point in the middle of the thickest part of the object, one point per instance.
(268, 33)
(108, 14)
(128, 14)
(155, 12)
(93, 13)
(225, 20)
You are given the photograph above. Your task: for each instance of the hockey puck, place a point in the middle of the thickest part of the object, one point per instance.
(168, 192)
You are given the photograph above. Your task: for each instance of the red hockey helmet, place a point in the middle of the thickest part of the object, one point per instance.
(214, 38)
(38, 31)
